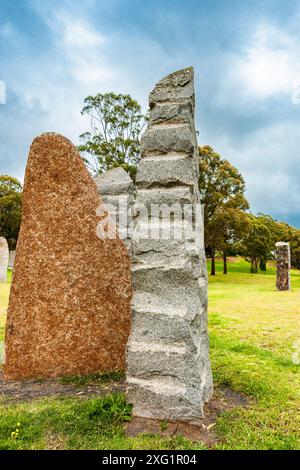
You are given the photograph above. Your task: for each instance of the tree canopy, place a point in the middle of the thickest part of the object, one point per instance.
(116, 123)
(258, 242)
(220, 183)
(222, 190)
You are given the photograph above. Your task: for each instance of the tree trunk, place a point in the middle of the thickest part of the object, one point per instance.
(263, 264)
(254, 266)
(224, 263)
(213, 263)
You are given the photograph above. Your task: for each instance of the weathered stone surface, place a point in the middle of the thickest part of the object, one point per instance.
(11, 262)
(172, 113)
(4, 257)
(115, 181)
(69, 309)
(161, 140)
(177, 87)
(168, 368)
(162, 252)
(182, 195)
(117, 193)
(172, 170)
(283, 258)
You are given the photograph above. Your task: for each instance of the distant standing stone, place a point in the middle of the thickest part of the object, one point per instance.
(283, 258)
(69, 309)
(4, 256)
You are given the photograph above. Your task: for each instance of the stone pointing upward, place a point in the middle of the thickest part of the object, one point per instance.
(168, 368)
(69, 308)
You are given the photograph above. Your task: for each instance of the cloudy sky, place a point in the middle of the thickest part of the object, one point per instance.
(53, 53)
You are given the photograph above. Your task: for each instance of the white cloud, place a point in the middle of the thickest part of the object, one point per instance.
(6, 31)
(261, 135)
(267, 159)
(82, 48)
(267, 66)
(46, 91)
(78, 33)
(271, 63)
(83, 58)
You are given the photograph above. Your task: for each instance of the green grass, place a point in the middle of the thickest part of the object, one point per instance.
(100, 378)
(76, 424)
(253, 329)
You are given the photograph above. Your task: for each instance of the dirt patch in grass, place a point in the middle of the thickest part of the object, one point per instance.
(100, 385)
(55, 441)
(224, 399)
(29, 390)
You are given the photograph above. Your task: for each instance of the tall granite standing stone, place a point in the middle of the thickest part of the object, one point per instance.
(4, 256)
(117, 193)
(283, 258)
(69, 308)
(168, 367)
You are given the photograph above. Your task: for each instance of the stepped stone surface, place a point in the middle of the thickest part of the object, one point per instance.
(283, 258)
(4, 257)
(168, 367)
(117, 192)
(114, 182)
(69, 308)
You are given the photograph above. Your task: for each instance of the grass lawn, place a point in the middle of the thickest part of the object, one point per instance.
(253, 330)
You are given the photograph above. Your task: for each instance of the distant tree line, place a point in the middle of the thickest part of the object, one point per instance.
(230, 229)
(116, 124)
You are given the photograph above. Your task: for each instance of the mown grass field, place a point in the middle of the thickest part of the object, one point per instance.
(253, 332)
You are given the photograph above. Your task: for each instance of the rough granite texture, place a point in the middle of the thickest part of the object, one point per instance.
(168, 367)
(69, 307)
(4, 257)
(283, 258)
(117, 193)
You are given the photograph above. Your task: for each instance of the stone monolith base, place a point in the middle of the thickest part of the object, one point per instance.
(168, 368)
(69, 308)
